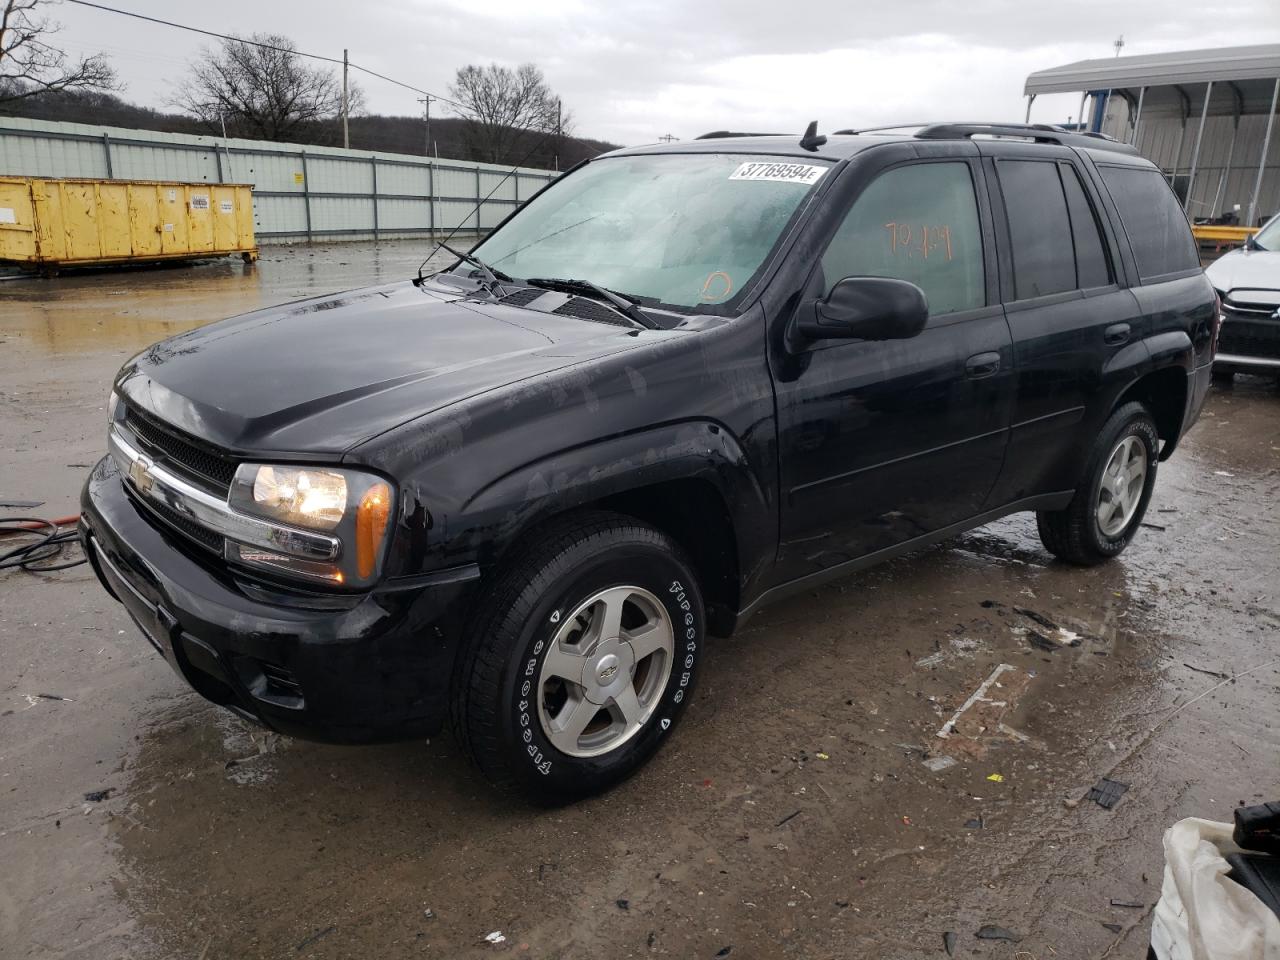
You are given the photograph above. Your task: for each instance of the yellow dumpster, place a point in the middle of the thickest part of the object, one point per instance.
(47, 224)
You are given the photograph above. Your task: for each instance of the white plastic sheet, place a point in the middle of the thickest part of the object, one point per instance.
(1201, 914)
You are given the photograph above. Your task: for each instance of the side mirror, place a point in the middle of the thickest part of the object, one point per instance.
(867, 308)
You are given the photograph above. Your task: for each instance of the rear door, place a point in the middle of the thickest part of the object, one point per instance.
(1071, 316)
(884, 442)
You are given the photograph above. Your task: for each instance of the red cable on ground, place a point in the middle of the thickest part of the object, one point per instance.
(60, 522)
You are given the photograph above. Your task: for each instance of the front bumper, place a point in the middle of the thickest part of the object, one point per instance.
(1249, 340)
(368, 667)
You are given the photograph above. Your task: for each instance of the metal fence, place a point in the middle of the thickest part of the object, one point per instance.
(299, 192)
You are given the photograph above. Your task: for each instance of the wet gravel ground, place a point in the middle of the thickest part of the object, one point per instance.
(794, 814)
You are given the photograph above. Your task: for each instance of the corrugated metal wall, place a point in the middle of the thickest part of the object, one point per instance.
(299, 192)
(1216, 189)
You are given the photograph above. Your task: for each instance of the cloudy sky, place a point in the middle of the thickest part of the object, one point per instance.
(633, 70)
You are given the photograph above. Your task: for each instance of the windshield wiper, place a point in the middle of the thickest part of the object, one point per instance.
(627, 306)
(491, 276)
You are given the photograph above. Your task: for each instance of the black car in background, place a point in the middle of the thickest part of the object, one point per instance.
(679, 383)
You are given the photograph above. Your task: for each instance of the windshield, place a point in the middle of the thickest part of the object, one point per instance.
(1268, 238)
(687, 230)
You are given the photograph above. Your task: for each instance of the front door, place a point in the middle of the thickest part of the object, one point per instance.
(885, 442)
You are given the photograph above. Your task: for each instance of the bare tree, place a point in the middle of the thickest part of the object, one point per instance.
(30, 65)
(502, 107)
(261, 87)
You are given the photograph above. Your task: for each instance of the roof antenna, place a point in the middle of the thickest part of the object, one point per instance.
(812, 140)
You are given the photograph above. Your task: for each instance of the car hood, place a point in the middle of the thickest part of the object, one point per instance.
(1246, 269)
(321, 376)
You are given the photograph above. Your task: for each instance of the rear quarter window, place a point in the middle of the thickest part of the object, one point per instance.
(1158, 232)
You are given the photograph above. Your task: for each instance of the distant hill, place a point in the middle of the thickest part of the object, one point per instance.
(373, 132)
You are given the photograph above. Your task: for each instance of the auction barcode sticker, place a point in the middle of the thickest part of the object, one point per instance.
(803, 173)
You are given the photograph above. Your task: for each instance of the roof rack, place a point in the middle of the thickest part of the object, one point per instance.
(725, 134)
(889, 126)
(1039, 132)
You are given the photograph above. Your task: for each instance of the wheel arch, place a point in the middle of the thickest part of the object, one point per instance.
(1164, 392)
(691, 480)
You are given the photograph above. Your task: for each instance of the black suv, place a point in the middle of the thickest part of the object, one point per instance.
(679, 383)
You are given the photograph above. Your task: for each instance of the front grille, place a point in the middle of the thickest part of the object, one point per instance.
(180, 451)
(586, 309)
(1251, 311)
(186, 526)
(1244, 345)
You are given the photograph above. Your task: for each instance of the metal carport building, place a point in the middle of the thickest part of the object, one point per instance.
(1206, 117)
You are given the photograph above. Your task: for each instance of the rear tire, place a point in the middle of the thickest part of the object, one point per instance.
(1112, 498)
(580, 660)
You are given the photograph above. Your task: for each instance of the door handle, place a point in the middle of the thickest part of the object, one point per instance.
(982, 365)
(1116, 334)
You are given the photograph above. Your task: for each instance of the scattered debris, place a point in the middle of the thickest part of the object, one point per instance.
(938, 764)
(788, 818)
(1009, 731)
(1107, 793)
(979, 695)
(822, 756)
(932, 660)
(21, 504)
(97, 796)
(996, 777)
(1039, 618)
(989, 604)
(977, 823)
(1153, 526)
(990, 932)
(623, 904)
(1167, 510)
(1070, 802)
(318, 935)
(1223, 473)
(495, 937)
(1128, 903)
(906, 821)
(428, 914)
(53, 696)
(1211, 673)
(949, 942)
(724, 951)
(1113, 927)
(1040, 641)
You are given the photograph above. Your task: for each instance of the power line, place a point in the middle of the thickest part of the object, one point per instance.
(313, 56)
(263, 46)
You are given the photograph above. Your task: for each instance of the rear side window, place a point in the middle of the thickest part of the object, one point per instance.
(917, 223)
(1092, 266)
(1154, 223)
(1039, 228)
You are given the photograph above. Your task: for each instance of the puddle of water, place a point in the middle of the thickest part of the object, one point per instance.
(132, 308)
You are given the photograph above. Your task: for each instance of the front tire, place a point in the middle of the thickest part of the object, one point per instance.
(581, 660)
(1112, 499)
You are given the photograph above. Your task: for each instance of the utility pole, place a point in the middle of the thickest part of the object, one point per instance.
(1119, 44)
(426, 104)
(346, 139)
(558, 133)
(667, 138)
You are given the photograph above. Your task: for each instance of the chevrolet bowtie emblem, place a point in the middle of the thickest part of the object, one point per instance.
(140, 474)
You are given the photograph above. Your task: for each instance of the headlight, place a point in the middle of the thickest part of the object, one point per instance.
(352, 506)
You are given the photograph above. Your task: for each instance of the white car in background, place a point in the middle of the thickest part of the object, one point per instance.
(1248, 281)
